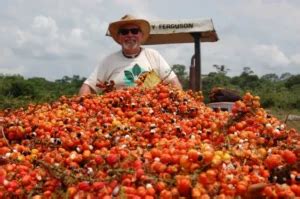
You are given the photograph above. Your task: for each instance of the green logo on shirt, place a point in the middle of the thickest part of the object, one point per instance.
(132, 75)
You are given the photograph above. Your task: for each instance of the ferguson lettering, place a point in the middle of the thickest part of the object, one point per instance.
(175, 26)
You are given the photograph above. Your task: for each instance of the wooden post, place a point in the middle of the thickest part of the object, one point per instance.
(198, 82)
(192, 83)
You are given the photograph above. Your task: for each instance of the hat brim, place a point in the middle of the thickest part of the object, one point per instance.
(143, 24)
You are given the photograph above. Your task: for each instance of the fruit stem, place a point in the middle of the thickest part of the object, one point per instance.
(3, 135)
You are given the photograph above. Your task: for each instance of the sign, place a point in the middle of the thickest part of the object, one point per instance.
(179, 31)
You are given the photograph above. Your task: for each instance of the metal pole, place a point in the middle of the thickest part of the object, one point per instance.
(198, 81)
(192, 74)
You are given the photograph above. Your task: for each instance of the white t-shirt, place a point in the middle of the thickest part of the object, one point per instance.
(124, 71)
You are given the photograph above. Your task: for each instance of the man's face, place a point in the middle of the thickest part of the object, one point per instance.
(130, 37)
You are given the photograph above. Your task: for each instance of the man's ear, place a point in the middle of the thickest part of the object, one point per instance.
(141, 36)
(118, 38)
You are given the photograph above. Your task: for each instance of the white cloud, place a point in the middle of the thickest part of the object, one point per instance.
(21, 37)
(43, 40)
(45, 35)
(270, 55)
(55, 49)
(95, 25)
(45, 26)
(13, 70)
(135, 7)
(76, 33)
(76, 38)
(5, 54)
(295, 59)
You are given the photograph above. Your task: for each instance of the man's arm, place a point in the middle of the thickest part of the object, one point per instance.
(254, 191)
(164, 70)
(85, 90)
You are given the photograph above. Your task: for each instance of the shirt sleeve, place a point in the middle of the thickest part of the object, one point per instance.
(164, 69)
(102, 72)
(97, 75)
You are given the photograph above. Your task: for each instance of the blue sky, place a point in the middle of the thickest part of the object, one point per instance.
(54, 38)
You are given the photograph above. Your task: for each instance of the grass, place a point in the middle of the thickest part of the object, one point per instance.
(283, 114)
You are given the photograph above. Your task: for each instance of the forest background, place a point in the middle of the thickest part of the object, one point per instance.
(280, 94)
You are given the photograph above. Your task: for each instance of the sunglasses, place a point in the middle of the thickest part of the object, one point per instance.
(125, 31)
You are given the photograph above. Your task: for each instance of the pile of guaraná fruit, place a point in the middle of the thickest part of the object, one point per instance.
(159, 142)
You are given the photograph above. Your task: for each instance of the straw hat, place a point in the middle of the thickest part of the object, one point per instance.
(114, 27)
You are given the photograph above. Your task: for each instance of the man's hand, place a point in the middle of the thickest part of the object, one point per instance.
(85, 90)
(254, 191)
(175, 82)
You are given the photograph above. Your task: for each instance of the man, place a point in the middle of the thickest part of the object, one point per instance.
(125, 66)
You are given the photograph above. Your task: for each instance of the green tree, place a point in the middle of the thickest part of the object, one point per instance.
(285, 76)
(180, 71)
(16, 86)
(16, 91)
(292, 81)
(221, 69)
(247, 80)
(272, 77)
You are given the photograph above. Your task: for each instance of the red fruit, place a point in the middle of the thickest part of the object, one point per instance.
(175, 193)
(107, 197)
(71, 191)
(273, 161)
(1, 195)
(165, 158)
(207, 156)
(203, 179)
(184, 186)
(289, 156)
(26, 179)
(126, 182)
(98, 185)
(112, 159)
(123, 154)
(4, 150)
(47, 194)
(150, 191)
(231, 129)
(137, 164)
(155, 152)
(193, 155)
(175, 159)
(296, 189)
(85, 186)
(240, 125)
(12, 186)
(165, 194)
(160, 186)
(182, 108)
(184, 162)
(241, 188)
(99, 159)
(139, 173)
(163, 95)
(2, 178)
(141, 191)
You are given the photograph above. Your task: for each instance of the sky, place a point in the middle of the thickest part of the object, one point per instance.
(56, 38)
